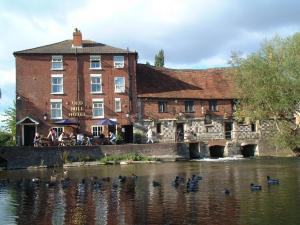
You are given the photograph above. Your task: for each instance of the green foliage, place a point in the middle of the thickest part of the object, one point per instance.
(119, 139)
(9, 133)
(133, 156)
(268, 86)
(160, 59)
(138, 137)
(147, 63)
(6, 139)
(10, 121)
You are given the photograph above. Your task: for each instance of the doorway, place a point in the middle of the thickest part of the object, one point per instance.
(179, 132)
(127, 131)
(29, 132)
(227, 130)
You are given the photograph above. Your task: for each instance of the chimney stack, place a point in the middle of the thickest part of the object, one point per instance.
(77, 39)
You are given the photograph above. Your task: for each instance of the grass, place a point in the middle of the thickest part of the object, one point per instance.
(133, 156)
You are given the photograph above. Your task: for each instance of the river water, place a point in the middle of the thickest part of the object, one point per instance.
(86, 200)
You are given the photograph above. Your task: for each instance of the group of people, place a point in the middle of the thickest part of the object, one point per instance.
(72, 139)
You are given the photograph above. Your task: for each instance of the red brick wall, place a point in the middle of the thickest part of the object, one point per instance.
(33, 84)
(150, 108)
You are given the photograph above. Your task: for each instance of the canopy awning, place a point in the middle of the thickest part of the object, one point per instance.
(107, 122)
(66, 122)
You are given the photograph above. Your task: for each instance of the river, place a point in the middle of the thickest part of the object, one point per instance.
(85, 199)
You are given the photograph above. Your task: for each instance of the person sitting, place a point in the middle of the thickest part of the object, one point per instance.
(101, 138)
(80, 138)
(37, 140)
(72, 138)
(112, 138)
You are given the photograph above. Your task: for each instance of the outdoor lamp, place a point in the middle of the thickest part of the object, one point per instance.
(45, 116)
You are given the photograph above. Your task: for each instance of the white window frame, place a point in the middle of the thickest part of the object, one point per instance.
(100, 76)
(56, 101)
(62, 84)
(99, 130)
(117, 88)
(95, 58)
(57, 59)
(119, 61)
(57, 130)
(118, 109)
(97, 100)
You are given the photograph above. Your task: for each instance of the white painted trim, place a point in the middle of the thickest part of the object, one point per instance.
(97, 100)
(27, 117)
(56, 100)
(57, 75)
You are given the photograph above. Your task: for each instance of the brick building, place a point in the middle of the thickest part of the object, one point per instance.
(76, 82)
(188, 105)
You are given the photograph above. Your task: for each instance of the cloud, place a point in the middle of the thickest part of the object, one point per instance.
(193, 33)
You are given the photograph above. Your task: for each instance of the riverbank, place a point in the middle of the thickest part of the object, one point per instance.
(39, 157)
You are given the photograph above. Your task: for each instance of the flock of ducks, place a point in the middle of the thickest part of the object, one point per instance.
(191, 185)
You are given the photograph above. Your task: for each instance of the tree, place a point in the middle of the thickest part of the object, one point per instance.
(268, 86)
(160, 59)
(9, 124)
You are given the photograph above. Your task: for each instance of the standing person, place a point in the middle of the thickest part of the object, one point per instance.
(52, 134)
(149, 135)
(37, 140)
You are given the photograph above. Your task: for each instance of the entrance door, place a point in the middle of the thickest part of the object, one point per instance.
(29, 132)
(179, 132)
(227, 130)
(127, 131)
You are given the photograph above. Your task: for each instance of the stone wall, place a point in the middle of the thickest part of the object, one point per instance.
(24, 157)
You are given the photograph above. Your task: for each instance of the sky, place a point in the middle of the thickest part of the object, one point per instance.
(193, 33)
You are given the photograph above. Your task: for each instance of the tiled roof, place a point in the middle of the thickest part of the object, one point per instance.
(155, 82)
(65, 47)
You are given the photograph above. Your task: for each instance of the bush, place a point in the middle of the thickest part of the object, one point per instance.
(138, 138)
(6, 139)
(119, 139)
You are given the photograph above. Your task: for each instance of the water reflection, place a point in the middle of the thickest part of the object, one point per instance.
(86, 199)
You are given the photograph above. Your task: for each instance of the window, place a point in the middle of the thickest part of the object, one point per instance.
(119, 84)
(162, 106)
(57, 84)
(253, 127)
(118, 107)
(234, 105)
(98, 108)
(96, 83)
(213, 107)
(58, 130)
(95, 62)
(97, 130)
(189, 106)
(56, 108)
(158, 128)
(57, 62)
(118, 61)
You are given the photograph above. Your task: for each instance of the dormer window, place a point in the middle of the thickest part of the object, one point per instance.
(57, 62)
(119, 61)
(95, 62)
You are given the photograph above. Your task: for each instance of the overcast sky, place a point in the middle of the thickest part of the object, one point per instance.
(193, 33)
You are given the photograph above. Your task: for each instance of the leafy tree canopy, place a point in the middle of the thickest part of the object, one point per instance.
(160, 59)
(268, 86)
(8, 135)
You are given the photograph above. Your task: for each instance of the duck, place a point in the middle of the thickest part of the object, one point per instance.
(36, 180)
(226, 191)
(122, 179)
(255, 187)
(272, 180)
(107, 179)
(155, 183)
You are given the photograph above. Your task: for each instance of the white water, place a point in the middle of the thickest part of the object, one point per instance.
(224, 159)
